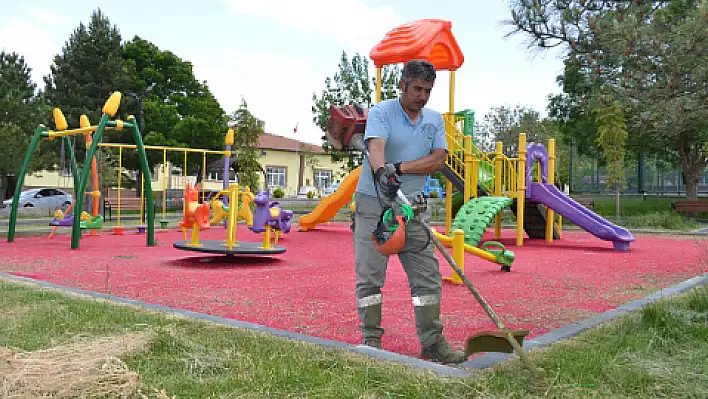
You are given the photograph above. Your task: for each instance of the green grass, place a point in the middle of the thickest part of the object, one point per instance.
(659, 351)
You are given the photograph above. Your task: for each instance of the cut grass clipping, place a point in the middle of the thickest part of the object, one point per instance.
(85, 368)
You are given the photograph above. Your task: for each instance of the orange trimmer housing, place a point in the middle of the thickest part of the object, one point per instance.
(395, 242)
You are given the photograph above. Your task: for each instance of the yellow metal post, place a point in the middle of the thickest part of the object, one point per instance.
(470, 174)
(452, 93)
(164, 184)
(521, 191)
(266, 238)
(233, 210)
(448, 207)
(378, 84)
(142, 198)
(203, 175)
(551, 176)
(120, 170)
(498, 171)
(195, 236)
(458, 254)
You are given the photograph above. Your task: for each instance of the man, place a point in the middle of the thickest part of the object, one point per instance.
(406, 142)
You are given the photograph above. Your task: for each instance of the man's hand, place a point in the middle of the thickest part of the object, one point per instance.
(388, 180)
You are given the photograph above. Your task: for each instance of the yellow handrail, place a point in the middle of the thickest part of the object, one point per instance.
(501, 171)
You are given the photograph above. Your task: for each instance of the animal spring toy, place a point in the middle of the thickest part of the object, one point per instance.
(269, 215)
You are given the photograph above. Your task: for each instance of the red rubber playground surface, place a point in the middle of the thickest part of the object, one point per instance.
(310, 288)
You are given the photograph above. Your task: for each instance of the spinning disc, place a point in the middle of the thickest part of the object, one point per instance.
(220, 247)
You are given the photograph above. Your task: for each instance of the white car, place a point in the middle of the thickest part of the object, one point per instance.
(43, 198)
(305, 189)
(332, 188)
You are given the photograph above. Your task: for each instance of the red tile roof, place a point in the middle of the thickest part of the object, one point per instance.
(268, 141)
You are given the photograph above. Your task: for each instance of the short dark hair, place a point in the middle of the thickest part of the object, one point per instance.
(418, 70)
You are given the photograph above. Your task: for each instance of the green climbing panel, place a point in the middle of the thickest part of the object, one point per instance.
(476, 214)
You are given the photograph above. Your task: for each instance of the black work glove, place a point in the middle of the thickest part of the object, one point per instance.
(388, 180)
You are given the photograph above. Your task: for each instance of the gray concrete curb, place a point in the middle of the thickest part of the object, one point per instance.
(480, 362)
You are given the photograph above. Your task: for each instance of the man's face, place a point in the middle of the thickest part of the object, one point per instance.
(416, 95)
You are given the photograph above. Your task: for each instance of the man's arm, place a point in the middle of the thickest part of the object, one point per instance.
(377, 148)
(426, 165)
(376, 134)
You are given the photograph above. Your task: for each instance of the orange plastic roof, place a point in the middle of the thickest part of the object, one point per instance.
(429, 39)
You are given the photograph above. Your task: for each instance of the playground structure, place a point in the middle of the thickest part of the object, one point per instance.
(119, 228)
(93, 221)
(80, 181)
(196, 217)
(488, 182)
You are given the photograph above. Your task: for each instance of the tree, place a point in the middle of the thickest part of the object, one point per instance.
(570, 112)
(89, 69)
(310, 158)
(648, 54)
(247, 131)
(612, 137)
(351, 84)
(504, 124)
(21, 111)
(179, 112)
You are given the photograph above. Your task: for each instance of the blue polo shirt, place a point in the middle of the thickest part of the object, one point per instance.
(405, 141)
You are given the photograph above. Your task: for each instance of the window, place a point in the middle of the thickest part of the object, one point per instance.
(276, 176)
(323, 178)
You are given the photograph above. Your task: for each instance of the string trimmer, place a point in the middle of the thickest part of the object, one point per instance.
(345, 129)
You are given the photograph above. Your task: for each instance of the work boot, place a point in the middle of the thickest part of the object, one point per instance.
(429, 328)
(440, 351)
(369, 309)
(372, 342)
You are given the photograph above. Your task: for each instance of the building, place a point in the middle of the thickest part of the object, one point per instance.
(292, 165)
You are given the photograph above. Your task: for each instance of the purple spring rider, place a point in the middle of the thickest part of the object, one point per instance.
(269, 214)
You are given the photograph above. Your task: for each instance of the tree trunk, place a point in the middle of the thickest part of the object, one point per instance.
(691, 179)
(693, 164)
(3, 187)
(617, 202)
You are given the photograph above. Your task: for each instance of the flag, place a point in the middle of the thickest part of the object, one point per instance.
(295, 130)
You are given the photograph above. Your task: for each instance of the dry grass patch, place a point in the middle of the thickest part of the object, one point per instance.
(83, 368)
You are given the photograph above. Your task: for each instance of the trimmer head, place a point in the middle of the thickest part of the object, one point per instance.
(493, 341)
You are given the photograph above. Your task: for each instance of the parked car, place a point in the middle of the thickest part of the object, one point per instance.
(332, 188)
(305, 189)
(43, 198)
(433, 185)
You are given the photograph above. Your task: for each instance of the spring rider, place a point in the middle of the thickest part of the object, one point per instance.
(221, 211)
(195, 215)
(270, 217)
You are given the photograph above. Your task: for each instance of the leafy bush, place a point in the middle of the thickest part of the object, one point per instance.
(434, 194)
(310, 194)
(278, 193)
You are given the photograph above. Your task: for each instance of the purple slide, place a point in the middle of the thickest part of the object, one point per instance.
(549, 195)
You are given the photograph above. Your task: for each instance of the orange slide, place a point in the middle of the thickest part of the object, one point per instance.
(331, 204)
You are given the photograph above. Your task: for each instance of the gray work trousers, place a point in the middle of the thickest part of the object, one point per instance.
(419, 262)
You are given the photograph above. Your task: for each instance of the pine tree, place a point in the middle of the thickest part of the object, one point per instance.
(87, 71)
(21, 111)
(247, 131)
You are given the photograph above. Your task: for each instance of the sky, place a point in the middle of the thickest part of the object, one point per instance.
(276, 53)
